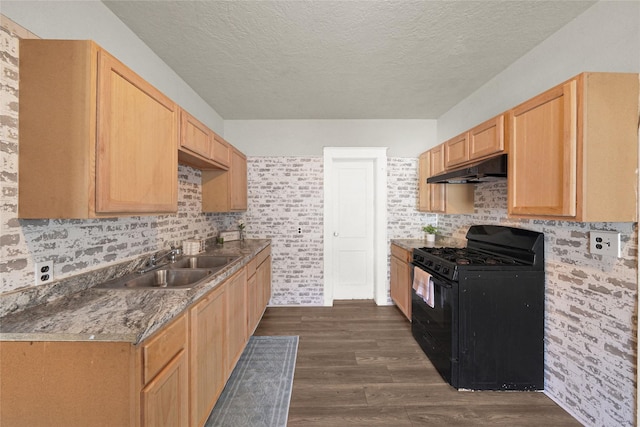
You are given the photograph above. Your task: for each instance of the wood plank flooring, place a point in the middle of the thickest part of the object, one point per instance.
(358, 365)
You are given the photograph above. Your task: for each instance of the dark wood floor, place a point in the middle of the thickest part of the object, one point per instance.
(358, 365)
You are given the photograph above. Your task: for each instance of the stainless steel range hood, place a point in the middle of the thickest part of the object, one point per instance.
(492, 169)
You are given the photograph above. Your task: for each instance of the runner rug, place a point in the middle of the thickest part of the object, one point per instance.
(259, 389)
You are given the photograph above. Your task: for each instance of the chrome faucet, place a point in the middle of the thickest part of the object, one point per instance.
(152, 263)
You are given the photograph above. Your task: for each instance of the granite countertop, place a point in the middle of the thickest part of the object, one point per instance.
(441, 242)
(125, 315)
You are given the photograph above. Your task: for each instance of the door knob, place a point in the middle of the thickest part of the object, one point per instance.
(335, 234)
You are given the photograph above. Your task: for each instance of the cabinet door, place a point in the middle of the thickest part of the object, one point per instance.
(236, 318)
(263, 274)
(400, 286)
(194, 136)
(137, 154)
(487, 138)
(208, 365)
(254, 299)
(424, 189)
(165, 400)
(456, 150)
(438, 191)
(238, 191)
(542, 154)
(221, 152)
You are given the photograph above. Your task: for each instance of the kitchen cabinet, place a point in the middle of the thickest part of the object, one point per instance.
(440, 198)
(96, 140)
(263, 274)
(482, 141)
(165, 401)
(173, 377)
(200, 147)
(424, 189)
(487, 139)
(221, 152)
(236, 318)
(226, 191)
(165, 396)
(258, 287)
(456, 150)
(400, 286)
(97, 382)
(207, 352)
(573, 151)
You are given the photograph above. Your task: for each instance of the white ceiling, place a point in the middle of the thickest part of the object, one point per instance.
(397, 59)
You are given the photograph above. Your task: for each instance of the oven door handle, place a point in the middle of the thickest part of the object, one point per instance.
(437, 280)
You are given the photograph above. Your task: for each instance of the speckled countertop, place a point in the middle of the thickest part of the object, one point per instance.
(126, 315)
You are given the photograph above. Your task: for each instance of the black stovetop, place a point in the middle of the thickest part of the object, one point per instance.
(488, 247)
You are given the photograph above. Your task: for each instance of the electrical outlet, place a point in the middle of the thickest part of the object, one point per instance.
(604, 243)
(44, 272)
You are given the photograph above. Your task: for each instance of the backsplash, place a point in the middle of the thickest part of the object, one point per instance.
(591, 318)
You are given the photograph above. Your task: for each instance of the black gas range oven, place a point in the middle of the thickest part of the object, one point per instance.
(482, 322)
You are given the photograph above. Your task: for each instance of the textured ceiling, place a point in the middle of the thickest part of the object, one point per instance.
(341, 59)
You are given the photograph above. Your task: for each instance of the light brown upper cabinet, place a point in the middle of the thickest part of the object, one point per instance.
(424, 189)
(573, 150)
(487, 139)
(456, 151)
(96, 140)
(226, 191)
(440, 198)
(200, 147)
(484, 140)
(221, 152)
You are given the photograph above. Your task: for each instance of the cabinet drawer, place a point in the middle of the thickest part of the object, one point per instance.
(159, 350)
(251, 267)
(400, 253)
(263, 255)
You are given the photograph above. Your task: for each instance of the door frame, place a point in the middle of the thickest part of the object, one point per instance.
(378, 155)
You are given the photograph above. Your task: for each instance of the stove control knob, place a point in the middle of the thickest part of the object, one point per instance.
(445, 270)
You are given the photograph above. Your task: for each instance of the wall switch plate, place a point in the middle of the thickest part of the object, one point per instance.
(604, 243)
(44, 272)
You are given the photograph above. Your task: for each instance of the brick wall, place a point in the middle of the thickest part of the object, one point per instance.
(286, 194)
(591, 317)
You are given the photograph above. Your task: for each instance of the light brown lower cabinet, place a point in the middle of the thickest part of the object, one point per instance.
(208, 363)
(258, 287)
(236, 318)
(85, 383)
(165, 400)
(172, 378)
(400, 286)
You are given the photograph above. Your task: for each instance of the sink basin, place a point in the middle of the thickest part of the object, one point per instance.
(159, 279)
(204, 261)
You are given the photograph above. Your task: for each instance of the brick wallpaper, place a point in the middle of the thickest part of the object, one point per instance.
(591, 317)
(286, 194)
(285, 197)
(404, 220)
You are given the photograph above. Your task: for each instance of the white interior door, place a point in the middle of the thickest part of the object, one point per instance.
(353, 229)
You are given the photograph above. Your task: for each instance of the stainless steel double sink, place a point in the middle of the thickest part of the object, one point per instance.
(184, 273)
